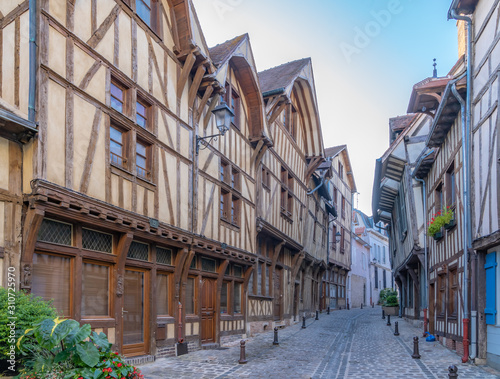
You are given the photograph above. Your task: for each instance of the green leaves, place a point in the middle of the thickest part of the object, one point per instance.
(88, 353)
(101, 340)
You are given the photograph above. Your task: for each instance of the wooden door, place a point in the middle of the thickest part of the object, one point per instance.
(277, 293)
(135, 312)
(208, 311)
(432, 310)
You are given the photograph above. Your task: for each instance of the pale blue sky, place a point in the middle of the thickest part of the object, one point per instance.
(361, 81)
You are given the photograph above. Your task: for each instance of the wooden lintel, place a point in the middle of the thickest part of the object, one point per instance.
(186, 70)
(297, 262)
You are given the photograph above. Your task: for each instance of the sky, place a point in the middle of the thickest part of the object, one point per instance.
(366, 56)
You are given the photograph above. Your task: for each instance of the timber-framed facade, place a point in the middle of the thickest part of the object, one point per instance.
(112, 207)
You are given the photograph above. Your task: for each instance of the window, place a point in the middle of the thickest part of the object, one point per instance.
(138, 250)
(190, 294)
(97, 241)
(341, 171)
(335, 196)
(259, 279)
(142, 161)
(164, 256)
(229, 200)
(118, 97)
(342, 240)
(232, 99)
(402, 212)
(95, 290)
(237, 298)
(384, 278)
(383, 254)
(224, 171)
(450, 186)
(143, 9)
(491, 270)
(235, 179)
(453, 288)
(56, 232)
(118, 146)
(209, 265)
(266, 178)
(333, 245)
(286, 193)
(224, 298)
(439, 198)
(343, 207)
(143, 113)
(52, 281)
(441, 295)
(376, 276)
(162, 300)
(290, 120)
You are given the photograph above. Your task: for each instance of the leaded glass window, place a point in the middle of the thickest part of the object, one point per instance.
(163, 256)
(97, 241)
(139, 251)
(55, 232)
(208, 264)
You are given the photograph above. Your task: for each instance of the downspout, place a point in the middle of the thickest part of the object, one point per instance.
(426, 281)
(465, 286)
(33, 28)
(466, 128)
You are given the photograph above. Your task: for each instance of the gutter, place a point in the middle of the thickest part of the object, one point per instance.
(273, 92)
(466, 128)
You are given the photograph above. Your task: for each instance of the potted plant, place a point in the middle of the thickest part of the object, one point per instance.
(439, 220)
(449, 218)
(391, 304)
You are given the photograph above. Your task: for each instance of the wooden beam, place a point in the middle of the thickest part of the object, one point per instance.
(32, 223)
(104, 27)
(203, 103)
(211, 107)
(256, 151)
(276, 253)
(195, 85)
(186, 70)
(276, 113)
(89, 161)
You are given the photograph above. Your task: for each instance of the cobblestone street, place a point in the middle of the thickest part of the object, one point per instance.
(344, 344)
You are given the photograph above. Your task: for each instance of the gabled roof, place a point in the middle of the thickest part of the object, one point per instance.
(237, 53)
(280, 77)
(334, 151)
(425, 95)
(399, 123)
(342, 149)
(221, 52)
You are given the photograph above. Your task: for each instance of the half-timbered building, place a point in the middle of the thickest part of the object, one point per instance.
(341, 188)
(397, 201)
(440, 168)
(286, 276)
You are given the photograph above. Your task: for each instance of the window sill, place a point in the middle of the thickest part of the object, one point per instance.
(230, 225)
(287, 216)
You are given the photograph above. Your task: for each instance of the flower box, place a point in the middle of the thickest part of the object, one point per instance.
(393, 311)
(451, 224)
(437, 236)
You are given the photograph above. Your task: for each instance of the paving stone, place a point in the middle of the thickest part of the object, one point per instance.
(344, 344)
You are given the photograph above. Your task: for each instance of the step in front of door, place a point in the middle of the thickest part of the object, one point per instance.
(209, 346)
(135, 361)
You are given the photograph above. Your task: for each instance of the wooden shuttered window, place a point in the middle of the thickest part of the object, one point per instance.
(491, 280)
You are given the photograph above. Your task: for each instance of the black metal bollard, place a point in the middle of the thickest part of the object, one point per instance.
(275, 342)
(242, 353)
(373, 305)
(348, 307)
(317, 315)
(340, 308)
(388, 320)
(328, 310)
(303, 322)
(383, 314)
(361, 305)
(416, 354)
(453, 371)
(396, 329)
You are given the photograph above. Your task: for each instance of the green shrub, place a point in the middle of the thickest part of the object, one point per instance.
(62, 349)
(385, 293)
(391, 301)
(28, 310)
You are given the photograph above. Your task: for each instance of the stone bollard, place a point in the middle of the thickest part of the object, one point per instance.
(275, 342)
(416, 354)
(317, 315)
(242, 353)
(453, 371)
(328, 310)
(396, 330)
(303, 322)
(383, 314)
(388, 320)
(361, 305)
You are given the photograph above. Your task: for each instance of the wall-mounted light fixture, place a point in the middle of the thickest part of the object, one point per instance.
(337, 237)
(223, 115)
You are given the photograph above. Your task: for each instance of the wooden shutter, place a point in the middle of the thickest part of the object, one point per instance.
(491, 267)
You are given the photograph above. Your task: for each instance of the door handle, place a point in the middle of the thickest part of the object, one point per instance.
(123, 311)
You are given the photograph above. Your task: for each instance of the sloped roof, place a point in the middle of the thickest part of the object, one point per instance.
(367, 221)
(219, 53)
(281, 76)
(401, 122)
(359, 230)
(334, 151)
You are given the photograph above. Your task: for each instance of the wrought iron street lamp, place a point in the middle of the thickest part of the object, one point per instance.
(223, 115)
(337, 237)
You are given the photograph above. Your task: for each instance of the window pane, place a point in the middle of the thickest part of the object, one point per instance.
(116, 92)
(163, 256)
(141, 121)
(133, 317)
(237, 297)
(190, 296)
(140, 162)
(55, 232)
(143, 10)
(208, 265)
(223, 298)
(116, 104)
(139, 251)
(95, 282)
(93, 240)
(141, 149)
(115, 134)
(52, 280)
(162, 294)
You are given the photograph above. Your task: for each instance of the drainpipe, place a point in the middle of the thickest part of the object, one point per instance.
(33, 28)
(426, 281)
(466, 128)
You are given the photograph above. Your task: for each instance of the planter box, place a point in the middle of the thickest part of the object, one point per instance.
(450, 225)
(438, 235)
(393, 311)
